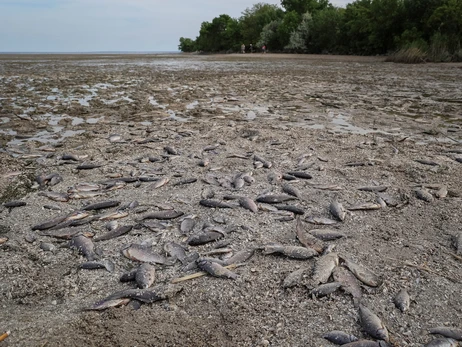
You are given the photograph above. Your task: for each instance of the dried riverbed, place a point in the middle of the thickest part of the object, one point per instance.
(349, 122)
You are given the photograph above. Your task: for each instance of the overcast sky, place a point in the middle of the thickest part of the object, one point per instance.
(109, 25)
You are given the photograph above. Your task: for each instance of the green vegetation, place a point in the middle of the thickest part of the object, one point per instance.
(407, 30)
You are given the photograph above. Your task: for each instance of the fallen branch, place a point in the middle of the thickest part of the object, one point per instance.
(427, 269)
(198, 274)
(454, 255)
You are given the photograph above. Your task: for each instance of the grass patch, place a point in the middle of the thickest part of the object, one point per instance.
(409, 55)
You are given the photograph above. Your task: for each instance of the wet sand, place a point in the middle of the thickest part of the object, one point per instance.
(331, 111)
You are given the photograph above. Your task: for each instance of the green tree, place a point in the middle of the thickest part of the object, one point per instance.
(303, 6)
(187, 45)
(324, 29)
(288, 25)
(218, 35)
(299, 38)
(269, 36)
(255, 18)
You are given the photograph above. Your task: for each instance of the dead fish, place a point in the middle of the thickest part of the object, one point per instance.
(51, 223)
(154, 225)
(163, 181)
(442, 342)
(457, 240)
(55, 196)
(187, 225)
(66, 234)
(171, 150)
(339, 337)
(248, 204)
(113, 215)
(122, 230)
(238, 182)
(215, 269)
(85, 195)
(402, 300)
(423, 195)
(14, 203)
(372, 324)
(103, 305)
(85, 187)
(52, 207)
(427, 162)
(327, 234)
(337, 210)
(306, 239)
(274, 199)
(103, 264)
(291, 208)
(185, 181)
(266, 164)
(143, 254)
(207, 193)
(324, 267)
(349, 282)
(247, 177)
(88, 166)
(47, 247)
(162, 215)
(215, 203)
(287, 188)
(325, 289)
(142, 295)
(365, 206)
(363, 274)
(288, 177)
(373, 188)
(442, 192)
(145, 275)
(240, 257)
(204, 237)
(101, 205)
(295, 278)
(84, 245)
(175, 251)
(320, 220)
(204, 162)
(3, 240)
(300, 174)
(453, 333)
(294, 252)
(333, 187)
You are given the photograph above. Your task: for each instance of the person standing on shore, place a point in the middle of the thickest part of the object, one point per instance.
(251, 48)
(243, 48)
(264, 48)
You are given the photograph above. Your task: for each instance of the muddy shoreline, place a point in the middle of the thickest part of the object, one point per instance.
(400, 125)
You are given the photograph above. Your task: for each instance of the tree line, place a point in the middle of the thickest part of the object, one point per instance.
(429, 28)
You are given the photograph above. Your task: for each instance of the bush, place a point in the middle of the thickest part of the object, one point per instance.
(410, 55)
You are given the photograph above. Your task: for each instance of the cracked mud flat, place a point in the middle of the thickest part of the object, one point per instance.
(334, 110)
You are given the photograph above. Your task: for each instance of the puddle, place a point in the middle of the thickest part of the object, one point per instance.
(250, 115)
(192, 105)
(173, 116)
(46, 136)
(154, 102)
(113, 101)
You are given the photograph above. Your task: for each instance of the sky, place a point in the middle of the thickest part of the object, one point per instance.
(109, 25)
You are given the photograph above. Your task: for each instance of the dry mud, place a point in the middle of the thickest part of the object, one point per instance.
(332, 110)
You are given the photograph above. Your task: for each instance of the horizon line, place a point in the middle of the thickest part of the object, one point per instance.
(85, 52)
